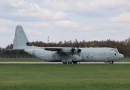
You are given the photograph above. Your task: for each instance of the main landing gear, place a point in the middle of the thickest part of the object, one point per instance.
(74, 62)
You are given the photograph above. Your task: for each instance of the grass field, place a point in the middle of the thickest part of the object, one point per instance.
(65, 77)
(124, 60)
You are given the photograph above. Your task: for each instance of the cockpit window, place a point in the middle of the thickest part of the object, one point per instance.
(115, 50)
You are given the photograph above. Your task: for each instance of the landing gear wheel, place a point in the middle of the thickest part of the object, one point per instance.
(74, 62)
(64, 62)
(69, 62)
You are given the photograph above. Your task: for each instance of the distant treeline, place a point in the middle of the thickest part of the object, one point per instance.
(14, 54)
(122, 46)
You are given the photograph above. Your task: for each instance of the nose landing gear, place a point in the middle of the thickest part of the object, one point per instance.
(111, 62)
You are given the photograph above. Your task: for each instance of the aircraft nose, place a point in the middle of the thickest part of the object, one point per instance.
(121, 56)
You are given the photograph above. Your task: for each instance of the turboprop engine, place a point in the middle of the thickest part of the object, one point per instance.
(76, 58)
(68, 50)
(71, 51)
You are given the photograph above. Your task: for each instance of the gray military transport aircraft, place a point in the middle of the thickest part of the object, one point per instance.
(67, 55)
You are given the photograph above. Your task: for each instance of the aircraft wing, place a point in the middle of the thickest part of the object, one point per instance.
(53, 48)
(61, 50)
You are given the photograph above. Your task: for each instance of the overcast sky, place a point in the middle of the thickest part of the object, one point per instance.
(65, 19)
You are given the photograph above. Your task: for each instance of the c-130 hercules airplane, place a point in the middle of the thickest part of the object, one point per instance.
(67, 55)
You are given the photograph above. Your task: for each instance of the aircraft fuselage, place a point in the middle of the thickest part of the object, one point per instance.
(86, 55)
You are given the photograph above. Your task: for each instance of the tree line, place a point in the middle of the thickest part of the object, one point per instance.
(122, 46)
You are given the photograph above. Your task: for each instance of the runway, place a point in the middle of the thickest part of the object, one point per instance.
(60, 63)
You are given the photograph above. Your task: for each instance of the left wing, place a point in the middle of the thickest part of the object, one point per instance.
(63, 50)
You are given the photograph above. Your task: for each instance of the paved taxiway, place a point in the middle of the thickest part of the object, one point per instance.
(60, 63)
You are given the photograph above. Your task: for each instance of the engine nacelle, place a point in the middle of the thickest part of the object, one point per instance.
(77, 58)
(68, 50)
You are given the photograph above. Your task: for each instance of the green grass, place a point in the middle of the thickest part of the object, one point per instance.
(124, 60)
(65, 77)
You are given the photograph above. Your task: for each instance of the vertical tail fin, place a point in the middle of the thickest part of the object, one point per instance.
(20, 39)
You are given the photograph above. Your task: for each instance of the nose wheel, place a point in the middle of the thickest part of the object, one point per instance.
(111, 62)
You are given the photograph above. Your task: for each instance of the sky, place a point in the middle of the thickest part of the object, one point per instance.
(65, 20)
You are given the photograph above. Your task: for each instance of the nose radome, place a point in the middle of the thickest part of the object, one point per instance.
(121, 56)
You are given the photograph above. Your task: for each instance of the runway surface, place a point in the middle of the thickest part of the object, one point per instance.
(60, 63)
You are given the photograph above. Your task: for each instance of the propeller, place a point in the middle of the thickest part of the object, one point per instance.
(76, 48)
(73, 50)
(79, 50)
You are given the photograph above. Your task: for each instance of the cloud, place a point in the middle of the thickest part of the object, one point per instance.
(5, 23)
(35, 11)
(59, 15)
(97, 6)
(24, 9)
(121, 18)
(67, 24)
(12, 2)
